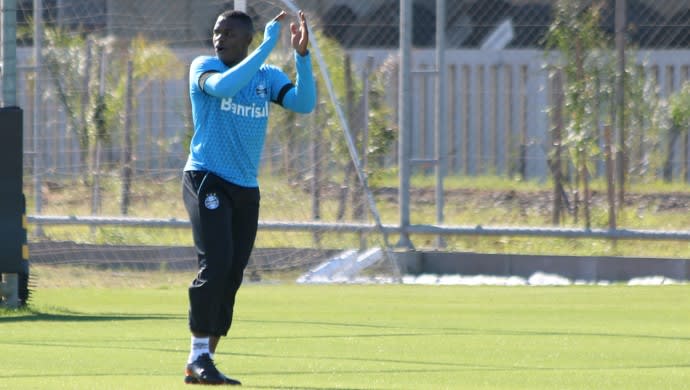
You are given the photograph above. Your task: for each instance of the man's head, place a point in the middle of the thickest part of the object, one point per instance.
(232, 35)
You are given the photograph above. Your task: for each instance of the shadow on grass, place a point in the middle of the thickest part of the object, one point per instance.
(316, 388)
(459, 331)
(33, 315)
(408, 365)
(564, 333)
(375, 375)
(323, 323)
(458, 372)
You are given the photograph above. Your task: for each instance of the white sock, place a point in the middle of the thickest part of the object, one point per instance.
(199, 347)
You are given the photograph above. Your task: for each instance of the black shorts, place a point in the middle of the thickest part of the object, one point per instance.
(224, 219)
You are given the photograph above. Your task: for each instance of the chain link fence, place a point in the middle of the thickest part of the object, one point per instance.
(111, 92)
(650, 24)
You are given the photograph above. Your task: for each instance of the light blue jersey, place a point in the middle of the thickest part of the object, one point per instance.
(231, 113)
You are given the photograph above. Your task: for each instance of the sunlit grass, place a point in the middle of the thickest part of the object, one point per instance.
(286, 336)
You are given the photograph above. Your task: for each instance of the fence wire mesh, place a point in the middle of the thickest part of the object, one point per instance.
(655, 24)
(503, 111)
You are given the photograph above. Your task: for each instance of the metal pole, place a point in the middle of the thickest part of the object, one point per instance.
(369, 64)
(9, 290)
(620, 99)
(37, 123)
(557, 141)
(110, 17)
(404, 121)
(352, 148)
(8, 56)
(365, 112)
(241, 5)
(316, 171)
(339, 227)
(441, 111)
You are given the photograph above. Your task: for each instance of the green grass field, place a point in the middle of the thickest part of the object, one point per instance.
(356, 337)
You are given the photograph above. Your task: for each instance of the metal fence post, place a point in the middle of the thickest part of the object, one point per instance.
(240, 5)
(316, 139)
(620, 99)
(440, 112)
(9, 290)
(37, 118)
(8, 55)
(405, 121)
(366, 89)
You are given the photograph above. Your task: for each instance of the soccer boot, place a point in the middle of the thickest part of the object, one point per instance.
(203, 371)
(191, 380)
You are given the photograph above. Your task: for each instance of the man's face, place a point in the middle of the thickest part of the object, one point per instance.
(231, 39)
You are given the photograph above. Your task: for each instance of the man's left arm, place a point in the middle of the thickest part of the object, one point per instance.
(302, 97)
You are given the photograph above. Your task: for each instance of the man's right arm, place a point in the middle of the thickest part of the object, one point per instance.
(228, 83)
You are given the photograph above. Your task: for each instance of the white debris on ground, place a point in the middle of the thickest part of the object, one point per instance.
(465, 280)
(544, 279)
(536, 279)
(345, 269)
(652, 281)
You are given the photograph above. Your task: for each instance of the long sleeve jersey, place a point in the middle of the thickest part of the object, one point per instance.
(230, 109)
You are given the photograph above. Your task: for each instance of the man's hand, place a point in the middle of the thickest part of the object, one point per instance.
(272, 29)
(280, 16)
(300, 35)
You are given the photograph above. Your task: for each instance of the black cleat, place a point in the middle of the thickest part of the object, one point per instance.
(231, 382)
(202, 371)
(189, 379)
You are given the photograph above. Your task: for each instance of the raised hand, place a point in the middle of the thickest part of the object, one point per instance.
(300, 35)
(280, 16)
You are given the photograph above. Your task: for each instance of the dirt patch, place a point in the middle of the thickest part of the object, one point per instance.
(536, 200)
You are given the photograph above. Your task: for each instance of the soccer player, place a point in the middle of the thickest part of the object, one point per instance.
(230, 94)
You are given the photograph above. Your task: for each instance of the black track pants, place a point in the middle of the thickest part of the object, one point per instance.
(224, 220)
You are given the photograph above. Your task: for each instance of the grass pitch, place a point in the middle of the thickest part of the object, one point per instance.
(358, 337)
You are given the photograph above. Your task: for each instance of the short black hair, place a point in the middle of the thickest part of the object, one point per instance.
(239, 15)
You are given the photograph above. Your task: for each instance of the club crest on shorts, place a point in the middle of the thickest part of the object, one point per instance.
(211, 201)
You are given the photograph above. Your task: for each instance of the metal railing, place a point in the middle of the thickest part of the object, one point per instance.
(445, 230)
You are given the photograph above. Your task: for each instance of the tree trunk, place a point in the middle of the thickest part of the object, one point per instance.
(127, 144)
(610, 180)
(344, 190)
(685, 163)
(349, 166)
(670, 155)
(587, 195)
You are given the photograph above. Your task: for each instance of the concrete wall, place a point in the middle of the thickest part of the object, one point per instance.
(411, 262)
(571, 267)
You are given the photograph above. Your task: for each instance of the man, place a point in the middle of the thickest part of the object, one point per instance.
(230, 94)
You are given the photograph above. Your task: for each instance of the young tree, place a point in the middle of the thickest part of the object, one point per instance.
(295, 133)
(75, 62)
(577, 38)
(679, 111)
